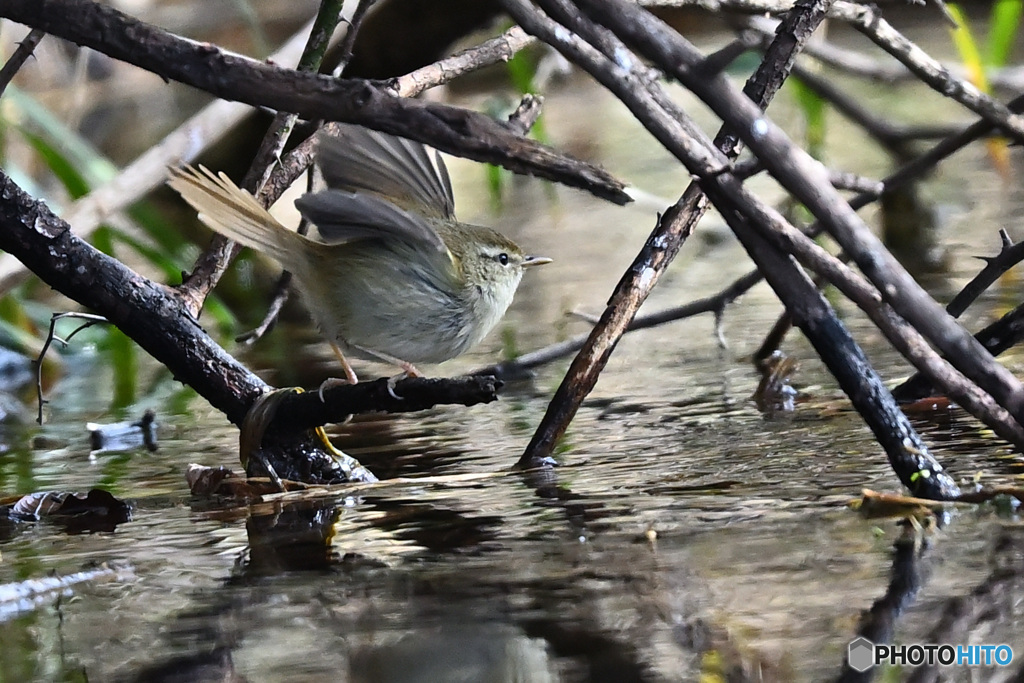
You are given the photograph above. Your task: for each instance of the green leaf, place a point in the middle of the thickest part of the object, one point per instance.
(76, 150)
(814, 109)
(60, 165)
(521, 70)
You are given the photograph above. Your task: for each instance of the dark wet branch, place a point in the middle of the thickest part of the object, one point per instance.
(903, 336)
(149, 313)
(841, 59)
(666, 240)
(746, 215)
(88, 321)
(909, 457)
(998, 337)
(312, 96)
(909, 173)
(995, 266)
(303, 411)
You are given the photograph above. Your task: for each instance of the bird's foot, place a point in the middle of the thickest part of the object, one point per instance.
(408, 370)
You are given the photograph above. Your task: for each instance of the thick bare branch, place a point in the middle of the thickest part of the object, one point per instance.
(312, 96)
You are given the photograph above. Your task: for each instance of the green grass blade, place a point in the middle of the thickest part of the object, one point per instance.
(1003, 28)
(967, 46)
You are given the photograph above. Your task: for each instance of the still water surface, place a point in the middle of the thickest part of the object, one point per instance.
(684, 532)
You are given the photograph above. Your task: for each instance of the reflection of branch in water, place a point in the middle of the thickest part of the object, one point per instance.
(613, 650)
(994, 599)
(879, 623)
(296, 538)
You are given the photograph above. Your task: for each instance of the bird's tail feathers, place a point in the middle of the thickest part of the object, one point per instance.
(226, 208)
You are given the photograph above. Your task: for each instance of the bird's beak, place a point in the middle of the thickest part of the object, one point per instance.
(535, 261)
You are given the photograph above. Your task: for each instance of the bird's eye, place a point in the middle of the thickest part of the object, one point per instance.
(503, 258)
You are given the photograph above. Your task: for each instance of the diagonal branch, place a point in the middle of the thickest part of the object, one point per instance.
(908, 454)
(804, 177)
(20, 56)
(213, 262)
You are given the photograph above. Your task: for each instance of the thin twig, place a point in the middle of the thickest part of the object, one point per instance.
(526, 114)
(348, 43)
(20, 56)
(282, 291)
(997, 337)
(1009, 255)
(869, 21)
(715, 304)
(90, 320)
(499, 49)
(212, 263)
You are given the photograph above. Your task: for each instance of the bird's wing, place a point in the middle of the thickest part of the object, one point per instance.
(358, 159)
(341, 216)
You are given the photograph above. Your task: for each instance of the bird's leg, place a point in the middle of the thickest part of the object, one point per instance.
(350, 374)
(408, 369)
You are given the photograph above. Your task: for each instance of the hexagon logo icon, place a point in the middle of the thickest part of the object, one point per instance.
(860, 654)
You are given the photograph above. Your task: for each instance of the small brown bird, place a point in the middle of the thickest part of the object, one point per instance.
(389, 273)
